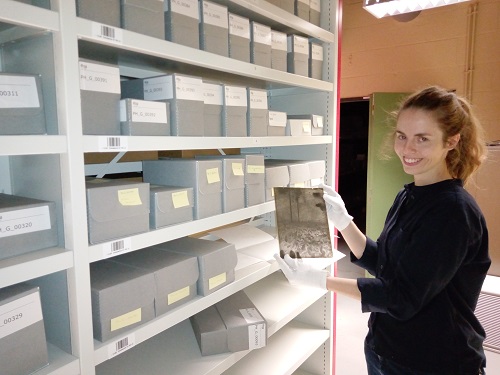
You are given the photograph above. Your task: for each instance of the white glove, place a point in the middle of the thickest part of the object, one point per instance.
(335, 208)
(299, 273)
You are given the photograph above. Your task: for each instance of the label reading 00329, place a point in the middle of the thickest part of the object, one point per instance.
(19, 314)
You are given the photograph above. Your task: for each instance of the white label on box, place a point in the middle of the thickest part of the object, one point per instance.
(235, 96)
(315, 5)
(18, 92)
(212, 94)
(121, 246)
(214, 14)
(145, 111)
(258, 99)
(251, 315)
(299, 184)
(277, 118)
(318, 121)
(256, 336)
(278, 41)
(261, 34)
(316, 52)
(188, 88)
(121, 345)
(109, 33)
(112, 143)
(188, 8)
(101, 78)
(298, 44)
(158, 88)
(239, 26)
(20, 314)
(24, 221)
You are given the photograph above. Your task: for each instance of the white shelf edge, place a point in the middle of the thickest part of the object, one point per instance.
(34, 264)
(150, 143)
(60, 363)
(28, 15)
(157, 236)
(32, 144)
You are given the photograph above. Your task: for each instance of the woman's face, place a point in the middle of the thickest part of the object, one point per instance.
(419, 145)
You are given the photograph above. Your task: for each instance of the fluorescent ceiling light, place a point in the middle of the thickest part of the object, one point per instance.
(385, 8)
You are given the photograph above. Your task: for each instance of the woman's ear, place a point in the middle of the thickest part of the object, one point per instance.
(453, 141)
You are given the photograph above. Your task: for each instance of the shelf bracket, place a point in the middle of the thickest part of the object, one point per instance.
(107, 167)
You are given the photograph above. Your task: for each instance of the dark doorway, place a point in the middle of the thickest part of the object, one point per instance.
(353, 151)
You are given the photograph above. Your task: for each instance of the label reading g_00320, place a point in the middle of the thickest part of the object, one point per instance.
(23, 221)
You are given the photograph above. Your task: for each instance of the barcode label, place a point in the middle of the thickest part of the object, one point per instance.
(108, 33)
(113, 143)
(111, 249)
(119, 346)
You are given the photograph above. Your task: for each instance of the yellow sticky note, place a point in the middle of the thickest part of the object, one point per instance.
(213, 175)
(215, 281)
(237, 169)
(178, 295)
(255, 169)
(129, 197)
(126, 320)
(180, 199)
(306, 127)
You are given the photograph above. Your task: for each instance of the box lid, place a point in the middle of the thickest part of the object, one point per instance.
(277, 175)
(169, 198)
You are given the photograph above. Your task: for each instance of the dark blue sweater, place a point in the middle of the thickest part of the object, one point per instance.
(429, 264)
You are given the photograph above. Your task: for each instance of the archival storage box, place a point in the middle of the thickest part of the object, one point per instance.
(255, 176)
(298, 55)
(216, 261)
(142, 117)
(302, 9)
(278, 50)
(213, 99)
(315, 12)
(239, 37)
(116, 209)
(175, 275)
(260, 44)
(246, 328)
(277, 124)
(235, 108)
(316, 61)
(287, 5)
(214, 28)
(181, 22)
(257, 113)
(23, 345)
(100, 97)
(317, 127)
(183, 92)
(102, 11)
(298, 127)
(122, 298)
(210, 331)
(144, 17)
(203, 176)
(298, 171)
(276, 176)
(170, 205)
(26, 225)
(21, 104)
(317, 171)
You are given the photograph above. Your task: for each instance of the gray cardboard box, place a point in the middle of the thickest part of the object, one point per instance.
(298, 171)
(141, 117)
(23, 346)
(175, 275)
(287, 5)
(239, 37)
(102, 11)
(317, 171)
(234, 119)
(213, 98)
(210, 331)
(246, 328)
(122, 298)
(316, 61)
(255, 175)
(26, 225)
(276, 176)
(260, 44)
(257, 113)
(22, 113)
(116, 209)
(298, 55)
(100, 97)
(184, 93)
(302, 9)
(316, 122)
(170, 205)
(278, 50)
(214, 28)
(315, 12)
(203, 176)
(216, 261)
(277, 124)
(298, 127)
(181, 22)
(144, 17)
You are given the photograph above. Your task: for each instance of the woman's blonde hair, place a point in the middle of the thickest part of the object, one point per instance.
(454, 116)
